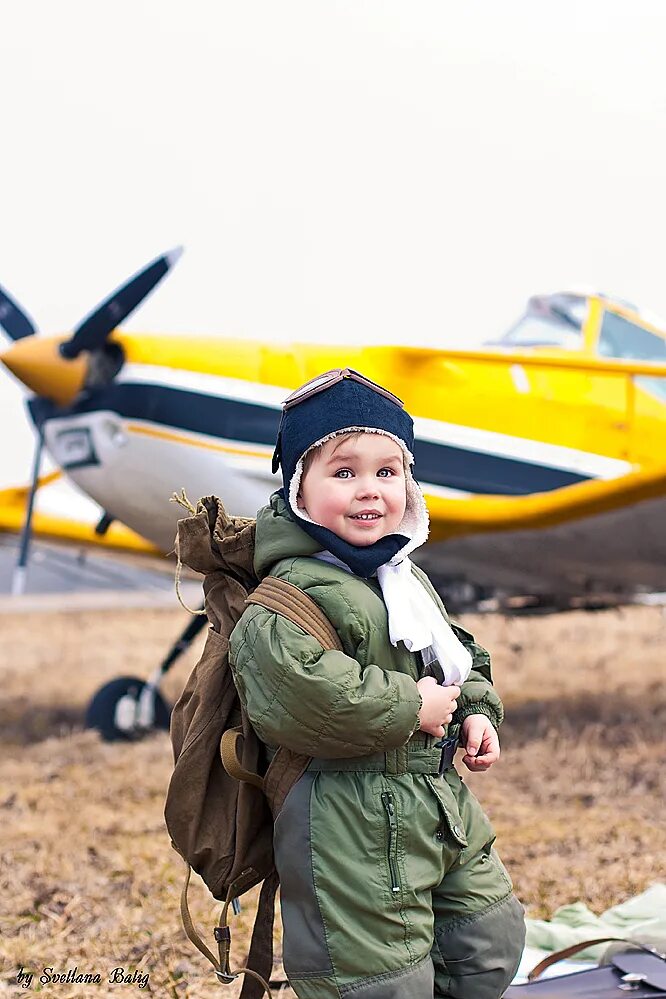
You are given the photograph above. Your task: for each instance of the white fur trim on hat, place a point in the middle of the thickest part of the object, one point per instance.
(415, 524)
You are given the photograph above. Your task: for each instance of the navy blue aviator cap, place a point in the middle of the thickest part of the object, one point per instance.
(328, 404)
(323, 383)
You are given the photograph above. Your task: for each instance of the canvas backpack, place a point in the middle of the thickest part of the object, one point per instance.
(222, 800)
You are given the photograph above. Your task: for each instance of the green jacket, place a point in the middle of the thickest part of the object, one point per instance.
(329, 703)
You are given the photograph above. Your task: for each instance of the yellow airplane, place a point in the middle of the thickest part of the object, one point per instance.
(540, 454)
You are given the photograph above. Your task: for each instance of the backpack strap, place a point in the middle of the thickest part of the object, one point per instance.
(291, 602)
(254, 985)
(231, 760)
(260, 955)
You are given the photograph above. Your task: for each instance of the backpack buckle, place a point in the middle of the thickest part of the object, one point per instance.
(222, 936)
(226, 979)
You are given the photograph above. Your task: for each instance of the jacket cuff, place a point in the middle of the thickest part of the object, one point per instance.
(478, 708)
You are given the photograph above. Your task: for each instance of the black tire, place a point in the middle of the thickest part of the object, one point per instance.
(101, 711)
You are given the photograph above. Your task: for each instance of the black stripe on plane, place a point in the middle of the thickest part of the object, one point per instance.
(251, 423)
(477, 472)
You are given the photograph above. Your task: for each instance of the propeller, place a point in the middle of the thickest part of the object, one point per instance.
(13, 319)
(59, 368)
(92, 332)
(59, 373)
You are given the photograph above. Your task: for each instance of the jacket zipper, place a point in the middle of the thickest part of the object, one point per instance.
(389, 807)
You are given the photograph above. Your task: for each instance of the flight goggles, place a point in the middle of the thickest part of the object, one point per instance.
(332, 377)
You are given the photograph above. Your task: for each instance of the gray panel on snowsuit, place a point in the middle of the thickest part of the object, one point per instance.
(305, 950)
(415, 982)
(479, 956)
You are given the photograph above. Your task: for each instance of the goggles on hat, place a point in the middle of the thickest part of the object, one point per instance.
(332, 377)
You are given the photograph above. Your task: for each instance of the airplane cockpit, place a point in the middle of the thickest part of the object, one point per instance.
(597, 324)
(592, 324)
(549, 321)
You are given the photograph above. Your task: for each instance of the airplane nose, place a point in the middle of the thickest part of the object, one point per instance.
(38, 363)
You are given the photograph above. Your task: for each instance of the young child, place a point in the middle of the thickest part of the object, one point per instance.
(390, 887)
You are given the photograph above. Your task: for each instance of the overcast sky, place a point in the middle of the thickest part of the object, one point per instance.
(366, 169)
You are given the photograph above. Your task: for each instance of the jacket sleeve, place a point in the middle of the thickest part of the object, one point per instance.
(477, 694)
(316, 702)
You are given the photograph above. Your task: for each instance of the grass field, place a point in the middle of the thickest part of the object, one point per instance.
(88, 875)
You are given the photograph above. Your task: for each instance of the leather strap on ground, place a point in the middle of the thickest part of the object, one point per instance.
(562, 955)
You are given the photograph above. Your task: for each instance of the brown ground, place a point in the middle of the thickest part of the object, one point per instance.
(88, 875)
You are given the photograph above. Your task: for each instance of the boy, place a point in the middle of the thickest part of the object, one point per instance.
(390, 888)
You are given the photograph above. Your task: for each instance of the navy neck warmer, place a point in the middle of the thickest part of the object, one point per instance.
(346, 404)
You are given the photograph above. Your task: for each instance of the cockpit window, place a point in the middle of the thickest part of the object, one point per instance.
(533, 331)
(550, 321)
(621, 338)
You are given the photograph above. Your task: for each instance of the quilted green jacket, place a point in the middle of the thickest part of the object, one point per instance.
(330, 703)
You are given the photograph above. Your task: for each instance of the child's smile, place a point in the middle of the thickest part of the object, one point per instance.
(355, 487)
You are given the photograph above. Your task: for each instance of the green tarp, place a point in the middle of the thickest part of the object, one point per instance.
(642, 917)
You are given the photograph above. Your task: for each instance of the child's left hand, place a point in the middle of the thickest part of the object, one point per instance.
(480, 742)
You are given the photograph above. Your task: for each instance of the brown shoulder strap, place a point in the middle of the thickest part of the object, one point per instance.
(291, 602)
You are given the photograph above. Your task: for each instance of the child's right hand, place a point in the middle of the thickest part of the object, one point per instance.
(438, 705)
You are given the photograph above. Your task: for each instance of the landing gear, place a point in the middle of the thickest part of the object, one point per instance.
(128, 707)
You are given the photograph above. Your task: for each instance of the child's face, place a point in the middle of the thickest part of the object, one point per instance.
(351, 476)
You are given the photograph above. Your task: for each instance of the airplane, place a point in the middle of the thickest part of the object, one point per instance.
(541, 454)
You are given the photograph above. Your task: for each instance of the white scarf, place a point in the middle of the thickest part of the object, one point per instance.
(415, 619)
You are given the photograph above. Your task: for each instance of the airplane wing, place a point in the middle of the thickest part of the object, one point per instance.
(596, 536)
(49, 524)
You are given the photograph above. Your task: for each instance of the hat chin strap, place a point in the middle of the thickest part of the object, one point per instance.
(415, 523)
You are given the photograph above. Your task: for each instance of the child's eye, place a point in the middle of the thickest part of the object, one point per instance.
(389, 472)
(343, 473)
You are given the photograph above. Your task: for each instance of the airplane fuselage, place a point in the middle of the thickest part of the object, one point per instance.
(203, 415)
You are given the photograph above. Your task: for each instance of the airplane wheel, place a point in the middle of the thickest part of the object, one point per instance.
(114, 710)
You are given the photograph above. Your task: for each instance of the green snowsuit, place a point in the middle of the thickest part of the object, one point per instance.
(388, 879)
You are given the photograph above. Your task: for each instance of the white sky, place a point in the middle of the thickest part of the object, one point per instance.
(347, 169)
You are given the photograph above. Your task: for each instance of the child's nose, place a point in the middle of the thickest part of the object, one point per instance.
(368, 488)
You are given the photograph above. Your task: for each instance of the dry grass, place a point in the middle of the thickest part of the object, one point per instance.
(89, 878)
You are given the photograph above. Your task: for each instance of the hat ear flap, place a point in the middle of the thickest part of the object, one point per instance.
(277, 454)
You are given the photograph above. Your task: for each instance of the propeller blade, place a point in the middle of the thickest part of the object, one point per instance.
(92, 333)
(20, 574)
(13, 319)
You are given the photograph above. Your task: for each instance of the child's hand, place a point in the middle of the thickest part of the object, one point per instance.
(438, 706)
(481, 743)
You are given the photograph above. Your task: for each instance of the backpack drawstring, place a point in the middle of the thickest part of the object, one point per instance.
(183, 501)
(190, 610)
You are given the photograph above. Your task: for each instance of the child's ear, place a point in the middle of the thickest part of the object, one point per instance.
(299, 500)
